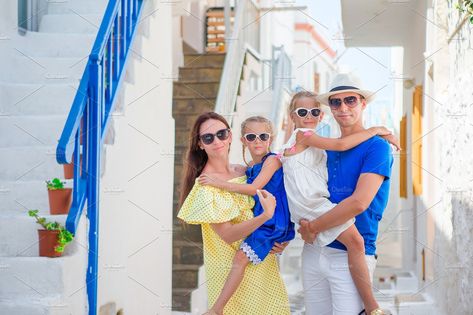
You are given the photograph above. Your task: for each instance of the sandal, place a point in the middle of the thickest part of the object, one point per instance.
(377, 311)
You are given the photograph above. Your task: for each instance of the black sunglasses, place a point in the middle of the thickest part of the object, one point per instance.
(350, 101)
(303, 112)
(208, 138)
(252, 136)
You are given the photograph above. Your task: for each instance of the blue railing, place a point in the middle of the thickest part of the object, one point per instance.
(88, 119)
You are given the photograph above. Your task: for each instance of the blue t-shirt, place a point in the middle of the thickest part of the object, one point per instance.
(344, 169)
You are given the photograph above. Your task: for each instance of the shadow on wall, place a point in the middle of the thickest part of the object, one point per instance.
(449, 259)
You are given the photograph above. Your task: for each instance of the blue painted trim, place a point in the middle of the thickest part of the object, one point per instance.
(88, 121)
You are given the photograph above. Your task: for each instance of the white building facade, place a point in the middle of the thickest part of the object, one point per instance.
(432, 58)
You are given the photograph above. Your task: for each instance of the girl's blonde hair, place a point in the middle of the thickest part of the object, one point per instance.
(259, 119)
(298, 96)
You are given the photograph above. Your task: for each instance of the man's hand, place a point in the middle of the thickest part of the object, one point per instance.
(306, 234)
(278, 248)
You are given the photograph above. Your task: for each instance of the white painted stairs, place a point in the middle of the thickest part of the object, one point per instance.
(40, 74)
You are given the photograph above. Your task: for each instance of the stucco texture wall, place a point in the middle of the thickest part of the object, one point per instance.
(453, 77)
(137, 186)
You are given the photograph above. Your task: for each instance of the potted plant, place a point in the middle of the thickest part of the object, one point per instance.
(53, 238)
(69, 168)
(59, 196)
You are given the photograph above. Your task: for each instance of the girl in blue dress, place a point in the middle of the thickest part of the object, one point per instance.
(263, 172)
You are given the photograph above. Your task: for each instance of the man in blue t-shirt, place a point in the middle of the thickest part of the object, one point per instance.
(358, 180)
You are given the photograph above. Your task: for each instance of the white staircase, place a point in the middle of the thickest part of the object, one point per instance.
(40, 74)
(399, 292)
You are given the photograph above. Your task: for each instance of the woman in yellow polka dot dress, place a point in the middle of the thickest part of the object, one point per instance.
(226, 218)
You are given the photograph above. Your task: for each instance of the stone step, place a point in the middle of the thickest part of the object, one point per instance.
(70, 23)
(182, 134)
(201, 90)
(200, 74)
(43, 70)
(24, 244)
(204, 60)
(36, 99)
(175, 211)
(108, 309)
(414, 303)
(50, 305)
(185, 121)
(184, 124)
(192, 106)
(178, 169)
(36, 44)
(179, 152)
(29, 163)
(181, 299)
(43, 286)
(30, 130)
(194, 94)
(185, 276)
(43, 276)
(20, 196)
(186, 233)
(178, 174)
(77, 6)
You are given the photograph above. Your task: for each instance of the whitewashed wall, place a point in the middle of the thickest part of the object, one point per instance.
(136, 193)
(8, 18)
(453, 220)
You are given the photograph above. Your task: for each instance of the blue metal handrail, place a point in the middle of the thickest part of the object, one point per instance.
(88, 119)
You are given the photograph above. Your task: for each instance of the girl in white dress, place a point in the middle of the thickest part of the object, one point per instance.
(305, 176)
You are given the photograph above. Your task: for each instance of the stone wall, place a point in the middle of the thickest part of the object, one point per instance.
(453, 76)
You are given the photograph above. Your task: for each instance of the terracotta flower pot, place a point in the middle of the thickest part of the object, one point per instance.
(60, 200)
(69, 169)
(47, 243)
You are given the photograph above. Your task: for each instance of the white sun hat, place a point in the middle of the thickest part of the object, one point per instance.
(342, 83)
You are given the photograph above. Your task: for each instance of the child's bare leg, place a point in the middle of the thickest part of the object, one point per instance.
(240, 261)
(354, 243)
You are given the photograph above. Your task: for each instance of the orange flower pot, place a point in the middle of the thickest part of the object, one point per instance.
(69, 169)
(47, 243)
(60, 200)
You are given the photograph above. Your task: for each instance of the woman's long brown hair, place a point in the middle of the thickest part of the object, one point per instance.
(195, 158)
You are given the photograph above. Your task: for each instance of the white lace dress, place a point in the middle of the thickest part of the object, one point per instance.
(305, 179)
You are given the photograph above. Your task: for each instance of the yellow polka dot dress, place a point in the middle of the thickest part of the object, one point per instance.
(262, 291)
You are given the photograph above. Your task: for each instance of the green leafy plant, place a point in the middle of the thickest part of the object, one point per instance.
(55, 184)
(465, 6)
(64, 236)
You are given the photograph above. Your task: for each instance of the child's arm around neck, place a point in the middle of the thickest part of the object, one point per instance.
(270, 166)
(339, 144)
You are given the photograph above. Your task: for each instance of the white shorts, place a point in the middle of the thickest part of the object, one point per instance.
(328, 286)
